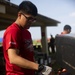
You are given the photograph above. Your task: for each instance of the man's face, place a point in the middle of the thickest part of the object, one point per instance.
(27, 20)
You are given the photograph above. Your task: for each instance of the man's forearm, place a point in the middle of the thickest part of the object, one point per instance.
(24, 63)
(14, 58)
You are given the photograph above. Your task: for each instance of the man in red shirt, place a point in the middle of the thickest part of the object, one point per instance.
(17, 44)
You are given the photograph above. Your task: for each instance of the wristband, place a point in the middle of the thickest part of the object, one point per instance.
(40, 68)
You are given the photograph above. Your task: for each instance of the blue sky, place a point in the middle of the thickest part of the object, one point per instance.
(61, 10)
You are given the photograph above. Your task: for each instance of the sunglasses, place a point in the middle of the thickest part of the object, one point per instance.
(30, 19)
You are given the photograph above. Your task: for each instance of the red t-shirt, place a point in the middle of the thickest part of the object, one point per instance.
(18, 38)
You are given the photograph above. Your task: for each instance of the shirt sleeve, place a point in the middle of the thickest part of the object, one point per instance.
(13, 39)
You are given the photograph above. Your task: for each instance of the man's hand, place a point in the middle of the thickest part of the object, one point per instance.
(47, 70)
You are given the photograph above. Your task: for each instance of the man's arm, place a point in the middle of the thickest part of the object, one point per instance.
(14, 58)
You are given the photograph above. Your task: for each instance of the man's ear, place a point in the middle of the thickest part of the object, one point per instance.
(19, 15)
(69, 30)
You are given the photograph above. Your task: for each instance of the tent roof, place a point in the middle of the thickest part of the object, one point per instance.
(8, 14)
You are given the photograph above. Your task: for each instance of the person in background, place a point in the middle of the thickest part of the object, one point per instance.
(51, 44)
(66, 29)
(17, 44)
